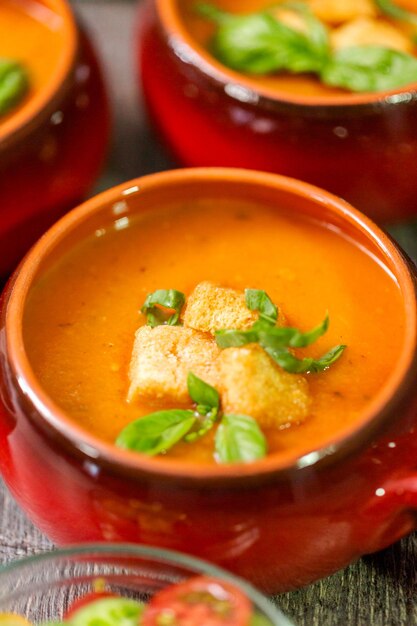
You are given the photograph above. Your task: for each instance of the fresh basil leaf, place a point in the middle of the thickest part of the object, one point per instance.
(167, 298)
(370, 68)
(231, 338)
(259, 43)
(318, 32)
(293, 365)
(14, 84)
(292, 337)
(239, 438)
(112, 611)
(258, 300)
(213, 13)
(205, 426)
(202, 393)
(156, 432)
(398, 13)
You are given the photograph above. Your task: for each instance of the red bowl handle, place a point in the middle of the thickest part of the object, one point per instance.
(391, 511)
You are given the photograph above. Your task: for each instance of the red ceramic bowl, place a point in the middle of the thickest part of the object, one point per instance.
(52, 148)
(360, 147)
(282, 523)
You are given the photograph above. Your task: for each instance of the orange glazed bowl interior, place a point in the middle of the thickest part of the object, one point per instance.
(114, 209)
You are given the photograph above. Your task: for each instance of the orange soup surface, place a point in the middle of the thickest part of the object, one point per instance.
(202, 30)
(31, 33)
(83, 312)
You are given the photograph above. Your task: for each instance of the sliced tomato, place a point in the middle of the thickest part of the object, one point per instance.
(87, 599)
(197, 601)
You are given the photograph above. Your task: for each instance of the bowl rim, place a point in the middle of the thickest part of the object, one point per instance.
(38, 101)
(240, 86)
(171, 557)
(49, 415)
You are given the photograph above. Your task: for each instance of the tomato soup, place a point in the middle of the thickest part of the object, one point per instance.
(202, 30)
(32, 34)
(83, 312)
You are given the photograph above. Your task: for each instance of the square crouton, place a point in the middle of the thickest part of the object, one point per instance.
(211, 308)
(251, 383)
(368, 32)
(338, 11)
(162, 358)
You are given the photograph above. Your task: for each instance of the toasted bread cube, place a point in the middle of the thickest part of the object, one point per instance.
(211, 308)
(251, 383)
(366, 32)
(292, 19)
(162, 358)
(336, 12)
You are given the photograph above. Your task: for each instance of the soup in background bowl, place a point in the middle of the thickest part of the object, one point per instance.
(275, 461)
(361, 146)
(53, 131)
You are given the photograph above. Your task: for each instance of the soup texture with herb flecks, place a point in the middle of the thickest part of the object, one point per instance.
(83, 312)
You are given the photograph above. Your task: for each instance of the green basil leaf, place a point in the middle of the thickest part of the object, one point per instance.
(259, 43)
(239, 438)
(202, 393)
(230, 338)
(167, 298)
(293, 365)
(370, 68)
(156, 432)
(284, 337)
(396, 12)
(258, 300)
(117, 611)
(14, 84)
(213, 13)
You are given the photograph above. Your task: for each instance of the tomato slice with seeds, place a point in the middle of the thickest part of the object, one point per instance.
(198, 601)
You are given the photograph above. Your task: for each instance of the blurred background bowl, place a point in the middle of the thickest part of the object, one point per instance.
(52, 148)
(362, 147)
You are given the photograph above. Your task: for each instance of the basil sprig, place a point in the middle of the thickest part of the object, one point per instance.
(370, 68)
(258, 43)
(14, 84)
(170, 299)
(398, 13)
(158, 432)
(238, 437)
(277, 341)
(207, 401)
(258, 300)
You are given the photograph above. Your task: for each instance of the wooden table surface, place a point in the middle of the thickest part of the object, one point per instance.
(379, 590)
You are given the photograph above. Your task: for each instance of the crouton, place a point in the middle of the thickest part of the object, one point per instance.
(251, 383)
(368, 32)
(162, 358)
(336, 12)
(212, 308)
(292, 19)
